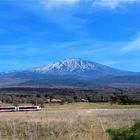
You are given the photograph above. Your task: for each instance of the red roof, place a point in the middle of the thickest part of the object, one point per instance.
(56, 100)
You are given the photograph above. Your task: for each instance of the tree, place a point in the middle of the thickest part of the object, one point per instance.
(123, 99)
(51, 97)
(75, 98)
(70, 100)
(113, 99)
(88, 98)
(38, 96)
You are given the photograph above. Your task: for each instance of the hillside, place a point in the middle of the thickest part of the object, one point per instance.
(70, 72)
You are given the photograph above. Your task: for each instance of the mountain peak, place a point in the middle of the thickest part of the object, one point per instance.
(66, 65)
(72, 59)
(73, 65)
(69, 72)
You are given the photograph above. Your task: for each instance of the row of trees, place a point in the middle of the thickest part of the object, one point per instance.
(44, 95)
(123, 99)
(41, 99)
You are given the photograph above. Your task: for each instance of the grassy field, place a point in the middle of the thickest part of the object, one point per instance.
(79, 121)
(78, 106)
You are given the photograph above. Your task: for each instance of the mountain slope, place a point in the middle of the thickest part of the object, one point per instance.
(70, 72)
(77, 67)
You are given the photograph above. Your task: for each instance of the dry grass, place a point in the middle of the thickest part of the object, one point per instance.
(77, 106)
(58, 122)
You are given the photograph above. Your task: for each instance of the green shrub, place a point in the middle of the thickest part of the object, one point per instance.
(132, 133)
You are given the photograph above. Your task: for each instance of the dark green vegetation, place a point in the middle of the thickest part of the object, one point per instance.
(126, 133)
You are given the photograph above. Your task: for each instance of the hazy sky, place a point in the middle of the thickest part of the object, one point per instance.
(37, 32)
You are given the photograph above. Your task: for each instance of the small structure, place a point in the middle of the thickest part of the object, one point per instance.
(56, 100)
(84, 100)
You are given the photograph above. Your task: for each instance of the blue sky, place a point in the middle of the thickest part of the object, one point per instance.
(38, 32)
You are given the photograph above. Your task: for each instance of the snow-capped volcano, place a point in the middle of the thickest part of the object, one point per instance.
(69, 66)
(70, 72)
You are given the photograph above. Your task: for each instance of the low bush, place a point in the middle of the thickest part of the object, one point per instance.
(126, 133)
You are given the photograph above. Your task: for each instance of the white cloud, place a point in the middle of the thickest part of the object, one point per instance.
(50, 4)
(96, 3)
(57, 3)
(113, 3)
(132, 46)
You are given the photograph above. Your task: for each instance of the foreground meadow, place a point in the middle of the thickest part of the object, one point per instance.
(81, 121)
